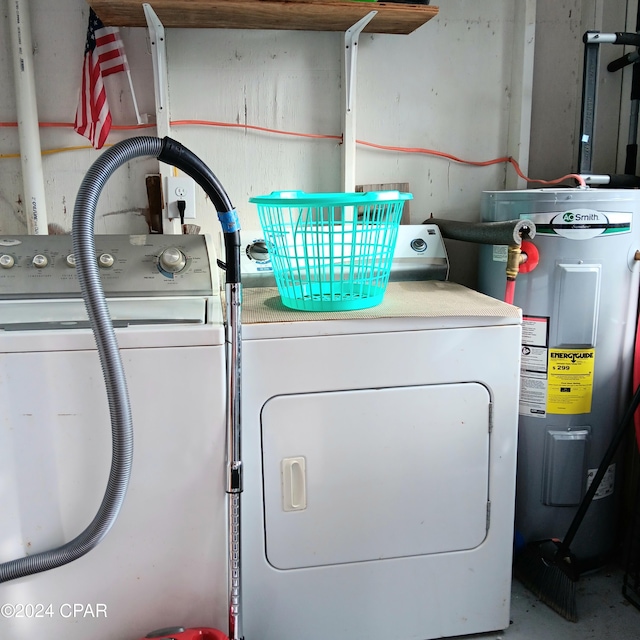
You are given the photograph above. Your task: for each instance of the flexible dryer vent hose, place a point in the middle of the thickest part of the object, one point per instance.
(173, 153)
(507, 232)
(512, 233)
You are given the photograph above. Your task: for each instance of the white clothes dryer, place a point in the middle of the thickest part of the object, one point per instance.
(164, 561)
(379, 454)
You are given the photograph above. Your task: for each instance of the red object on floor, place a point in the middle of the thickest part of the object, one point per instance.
(636, 381)
(179, 633)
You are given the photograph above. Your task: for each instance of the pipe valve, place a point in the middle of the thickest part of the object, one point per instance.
(515, 258)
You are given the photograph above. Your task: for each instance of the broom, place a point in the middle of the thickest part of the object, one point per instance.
(547, 568)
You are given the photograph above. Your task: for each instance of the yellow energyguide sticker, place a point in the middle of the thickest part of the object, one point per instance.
(570, 383)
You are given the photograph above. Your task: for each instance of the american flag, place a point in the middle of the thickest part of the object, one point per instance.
(103, 55)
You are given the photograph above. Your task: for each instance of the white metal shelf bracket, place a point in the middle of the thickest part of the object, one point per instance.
(350, 51)
(161, 90)
(351, 37)
(159, 58)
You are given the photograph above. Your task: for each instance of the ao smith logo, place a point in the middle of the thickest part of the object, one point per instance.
(582, 224)
(572, 217)
(572, 356)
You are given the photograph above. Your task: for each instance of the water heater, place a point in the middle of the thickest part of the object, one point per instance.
(579, 308)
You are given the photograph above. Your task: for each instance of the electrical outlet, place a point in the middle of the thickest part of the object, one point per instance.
(181, 189)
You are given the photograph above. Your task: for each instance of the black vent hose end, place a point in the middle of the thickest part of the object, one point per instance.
(176, 154)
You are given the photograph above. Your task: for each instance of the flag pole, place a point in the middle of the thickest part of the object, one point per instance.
(133, 96)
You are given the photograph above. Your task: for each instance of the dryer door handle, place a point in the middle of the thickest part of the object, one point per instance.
(294, 484)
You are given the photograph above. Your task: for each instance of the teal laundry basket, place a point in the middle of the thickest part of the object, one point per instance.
(331, 251)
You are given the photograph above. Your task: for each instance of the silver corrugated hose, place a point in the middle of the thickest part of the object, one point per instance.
(119, 408)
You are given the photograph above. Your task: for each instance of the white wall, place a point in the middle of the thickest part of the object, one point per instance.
(451, 86)
(432, 89)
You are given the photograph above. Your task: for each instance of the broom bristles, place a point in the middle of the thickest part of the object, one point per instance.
(547, 581)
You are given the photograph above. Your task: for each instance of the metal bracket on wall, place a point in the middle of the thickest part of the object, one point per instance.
(163, 116)
(351, 37)
(350, 50)
(159, 59)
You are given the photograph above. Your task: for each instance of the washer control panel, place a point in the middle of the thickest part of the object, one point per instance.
(419, 241)
(419, 254)
(44, 267)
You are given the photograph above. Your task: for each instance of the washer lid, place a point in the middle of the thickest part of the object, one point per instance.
(407, 306)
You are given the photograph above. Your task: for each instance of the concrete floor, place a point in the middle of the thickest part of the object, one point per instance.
(603, 613)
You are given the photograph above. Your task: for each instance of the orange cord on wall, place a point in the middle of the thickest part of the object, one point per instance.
(482, 163)
(251, 127)
(211, 123)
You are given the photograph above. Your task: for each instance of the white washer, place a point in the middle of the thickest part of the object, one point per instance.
(379, 449)
(164, 561)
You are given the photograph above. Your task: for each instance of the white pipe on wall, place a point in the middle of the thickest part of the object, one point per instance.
(27, 109)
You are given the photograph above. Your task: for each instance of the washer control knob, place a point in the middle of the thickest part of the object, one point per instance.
(39, 261)
(172, 260)
(105, 260)
(70, 261)
(419, 245)
(6, 261)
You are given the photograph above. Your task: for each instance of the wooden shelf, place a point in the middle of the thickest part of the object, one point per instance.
(306, 15)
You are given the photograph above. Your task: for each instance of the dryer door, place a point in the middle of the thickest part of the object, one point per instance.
(352, 476)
